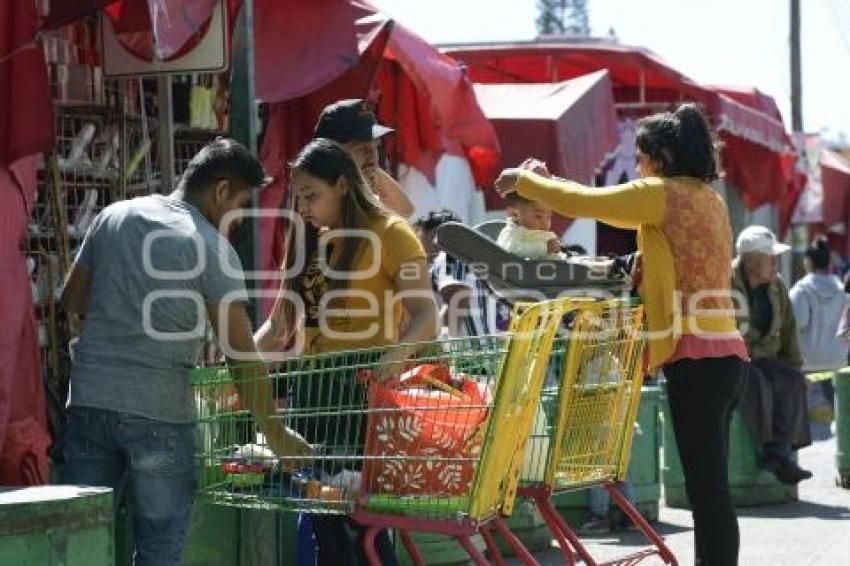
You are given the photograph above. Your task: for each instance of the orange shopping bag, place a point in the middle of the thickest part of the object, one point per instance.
(423, 435)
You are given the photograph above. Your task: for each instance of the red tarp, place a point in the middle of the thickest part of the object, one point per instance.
(752, 97)
(424, 95)
(290, 127)
(774, 136)
(835, 179)
(570, 125)
(24, 437)
(66, 11)
(300, 48)
(428, 98)
(757, 136)
(542, 62)
(175, 22)
(26, 108)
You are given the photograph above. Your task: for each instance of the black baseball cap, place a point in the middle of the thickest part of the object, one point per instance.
(349, 120)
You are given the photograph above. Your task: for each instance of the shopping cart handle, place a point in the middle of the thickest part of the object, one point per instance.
(431, 375)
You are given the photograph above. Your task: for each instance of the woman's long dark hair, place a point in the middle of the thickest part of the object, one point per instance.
(327, 160)
(681, 143)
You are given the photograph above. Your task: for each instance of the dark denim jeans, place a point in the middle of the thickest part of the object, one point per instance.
(151, 462)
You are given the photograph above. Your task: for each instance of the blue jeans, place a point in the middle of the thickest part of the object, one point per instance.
(600, 501)
(151, 462)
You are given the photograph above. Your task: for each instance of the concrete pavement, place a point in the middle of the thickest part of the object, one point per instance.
(814, 531)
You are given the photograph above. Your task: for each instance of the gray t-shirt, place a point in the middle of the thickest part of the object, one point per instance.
(155, 262)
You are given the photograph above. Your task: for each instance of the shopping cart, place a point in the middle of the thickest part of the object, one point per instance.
(582, 434)
(438, 452)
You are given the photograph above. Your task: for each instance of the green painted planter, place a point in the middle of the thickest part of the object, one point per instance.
(267, 538)
(437, 550)
(56, 525)
(749, 484)
(842, 426)
(222, 535)
(213, 536)
(644, 466)
(527, 524)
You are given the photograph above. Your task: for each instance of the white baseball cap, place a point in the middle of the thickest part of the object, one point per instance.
(759, 240)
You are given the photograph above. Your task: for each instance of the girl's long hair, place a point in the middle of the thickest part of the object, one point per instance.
(327, 160)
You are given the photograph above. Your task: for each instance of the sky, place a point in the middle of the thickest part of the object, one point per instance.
(729, 42)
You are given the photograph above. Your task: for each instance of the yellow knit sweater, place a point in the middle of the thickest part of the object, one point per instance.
(685, 242)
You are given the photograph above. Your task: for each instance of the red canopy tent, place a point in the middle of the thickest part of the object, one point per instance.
(308, 55)
(26, 109)
(424, 95)
(755, 141)
(835, 182)
(26, 129)
(752, 97)
(835, 178)
(571, 125)
(764, 166)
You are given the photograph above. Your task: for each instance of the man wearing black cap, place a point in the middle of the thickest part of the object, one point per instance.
(353, 124)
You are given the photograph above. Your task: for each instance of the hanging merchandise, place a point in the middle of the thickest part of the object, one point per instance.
(201, 104)
(220, 105)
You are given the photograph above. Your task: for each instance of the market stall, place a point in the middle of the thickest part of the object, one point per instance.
(571, 125)
(757, 150)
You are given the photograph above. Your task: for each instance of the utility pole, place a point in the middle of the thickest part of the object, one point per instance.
(796, 75)
(243, 128)
(800, 234)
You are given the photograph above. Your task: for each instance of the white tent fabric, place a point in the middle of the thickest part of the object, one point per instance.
(455, 189)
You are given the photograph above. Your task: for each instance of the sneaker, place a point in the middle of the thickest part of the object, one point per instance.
(595, 526)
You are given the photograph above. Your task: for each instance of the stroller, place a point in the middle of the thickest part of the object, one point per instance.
(514, 278)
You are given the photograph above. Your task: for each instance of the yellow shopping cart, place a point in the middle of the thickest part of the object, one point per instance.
(587, 440)
(439, 451)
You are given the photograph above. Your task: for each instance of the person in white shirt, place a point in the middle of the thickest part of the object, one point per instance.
(819, 301)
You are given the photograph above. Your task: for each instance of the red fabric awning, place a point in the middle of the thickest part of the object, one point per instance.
(290, 127)
(632, 69)
(640, 78)
(428, 98)
(26, 107)
(751, 125)
(542, 62)
(299, 48)
(66, 11)
(571, 125)
(24, 436)
(781, 182)
(421, 93)
(175, 22)
(835, 178)
(752, 97)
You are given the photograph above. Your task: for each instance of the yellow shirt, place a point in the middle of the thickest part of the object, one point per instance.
(366, 311)
(685, 242)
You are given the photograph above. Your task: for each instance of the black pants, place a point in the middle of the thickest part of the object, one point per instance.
(702, 394)
(339, 542)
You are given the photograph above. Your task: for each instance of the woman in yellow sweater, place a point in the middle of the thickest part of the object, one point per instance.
(685, 243)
